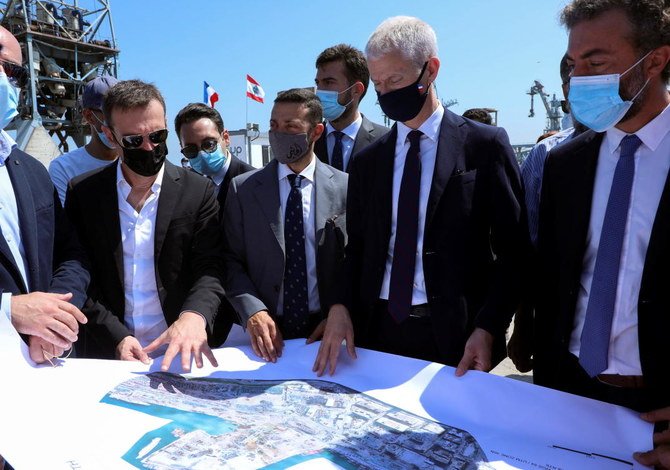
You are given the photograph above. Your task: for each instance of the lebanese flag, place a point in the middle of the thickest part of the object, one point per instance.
(254, 90)
(211, 96)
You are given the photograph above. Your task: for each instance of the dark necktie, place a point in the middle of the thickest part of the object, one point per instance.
(337, 161)
(600, 309)
(407, 229)
(296, 303)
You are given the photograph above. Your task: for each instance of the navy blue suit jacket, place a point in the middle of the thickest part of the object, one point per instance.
(56, 262)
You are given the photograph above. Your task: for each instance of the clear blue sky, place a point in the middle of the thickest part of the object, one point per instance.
(491, 51)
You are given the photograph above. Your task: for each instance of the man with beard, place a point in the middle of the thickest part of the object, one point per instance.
(152, 233)
(604, 231)
(435, 219)
(285, 237)
(342, 79)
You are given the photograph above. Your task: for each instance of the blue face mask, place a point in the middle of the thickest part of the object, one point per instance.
(209, 164)
(595, 100)
(9, 101)
(103, 138)
(332, 109)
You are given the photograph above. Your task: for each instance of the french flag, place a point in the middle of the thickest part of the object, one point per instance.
(254, 90)
(211, 96)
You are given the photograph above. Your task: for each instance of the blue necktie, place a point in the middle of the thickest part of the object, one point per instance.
(337, 161)
(407, 229)
(600, 309)
(296, 303)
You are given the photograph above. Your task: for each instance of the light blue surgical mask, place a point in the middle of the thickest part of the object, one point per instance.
(332, 109)
(103, 137)
(209, 164)
(595, 100)
(9, 101)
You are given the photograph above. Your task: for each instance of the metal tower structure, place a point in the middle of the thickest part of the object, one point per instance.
(552, 107)
(65, 46)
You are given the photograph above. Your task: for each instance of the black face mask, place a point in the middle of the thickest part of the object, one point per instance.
(145, 162)
(405, 103)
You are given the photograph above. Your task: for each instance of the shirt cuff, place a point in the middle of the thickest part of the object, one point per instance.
(6, 304)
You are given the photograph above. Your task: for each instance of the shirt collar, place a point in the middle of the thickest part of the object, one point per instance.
(308, 173)
(221, 174)
(430, 127)
(350, 131)
(651, 134)
(123, 184)
(7, 144)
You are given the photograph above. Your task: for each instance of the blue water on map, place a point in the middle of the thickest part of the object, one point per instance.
(182, 422)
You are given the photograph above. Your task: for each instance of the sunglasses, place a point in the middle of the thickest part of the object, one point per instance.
(191, 150)
(136, 140)
(17, 75)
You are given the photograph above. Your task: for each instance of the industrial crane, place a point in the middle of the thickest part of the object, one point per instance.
(553, 107)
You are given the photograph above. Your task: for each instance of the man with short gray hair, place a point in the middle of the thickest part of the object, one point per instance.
(437, 231)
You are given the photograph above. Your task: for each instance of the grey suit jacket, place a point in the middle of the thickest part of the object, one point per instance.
(254, 236)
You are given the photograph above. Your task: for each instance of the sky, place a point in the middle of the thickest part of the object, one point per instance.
(491, 51)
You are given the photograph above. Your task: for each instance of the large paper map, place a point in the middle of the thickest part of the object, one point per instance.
(225, 423)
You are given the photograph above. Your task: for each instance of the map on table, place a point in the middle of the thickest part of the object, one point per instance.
(275, 424)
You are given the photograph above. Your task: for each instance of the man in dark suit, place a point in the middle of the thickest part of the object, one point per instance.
(342, 79)
(43, 278)
(437, 232)
(205, 142)
(604, 232)
(285, 233)
(152, 232)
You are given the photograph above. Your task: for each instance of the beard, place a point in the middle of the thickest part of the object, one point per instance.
(630, 86)
(348, 111)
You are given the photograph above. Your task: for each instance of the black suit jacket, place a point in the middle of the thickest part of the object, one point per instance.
(368, 133)
(565, 212)
(56, 261)
(476, 240)
(236, 168)
(187, 251)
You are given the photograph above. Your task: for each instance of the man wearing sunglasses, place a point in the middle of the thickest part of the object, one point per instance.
(205, 143)
(99, 151)
(152, 232)
(42, 276)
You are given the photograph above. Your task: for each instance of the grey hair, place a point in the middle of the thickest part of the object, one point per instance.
(414, 39)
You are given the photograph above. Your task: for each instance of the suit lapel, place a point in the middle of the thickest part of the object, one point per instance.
(109, 210)
(324, 194)
(170, 193)
(267, 195)
(450, 150)
(384, 184)
(26, 210)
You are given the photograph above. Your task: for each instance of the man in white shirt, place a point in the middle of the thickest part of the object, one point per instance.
(342, 80)
(152, 232)
(99, 151)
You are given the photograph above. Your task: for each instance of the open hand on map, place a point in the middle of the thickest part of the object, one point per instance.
(335, 329)
(660, 456)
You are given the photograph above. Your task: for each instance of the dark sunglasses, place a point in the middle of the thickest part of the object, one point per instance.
(17, 75)
(136, 140)
(191, 150)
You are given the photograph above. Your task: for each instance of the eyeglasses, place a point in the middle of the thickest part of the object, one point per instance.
(191, 150)
(136, 140)
(18, 75)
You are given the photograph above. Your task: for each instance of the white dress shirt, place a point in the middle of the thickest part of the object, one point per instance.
(348, 139)
(143, 312)
(9, 220)
(652, 162)
(309, 224)
(217, 178)
(427, 154)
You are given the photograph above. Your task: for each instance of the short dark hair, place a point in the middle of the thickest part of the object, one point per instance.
(355, 65)
(130, 94)
(194, 111)
(479, 115)
(305, 97)
(650, 20)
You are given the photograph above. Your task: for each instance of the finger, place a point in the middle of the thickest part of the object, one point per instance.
(157, 343)
(317, 333)
(55, 339)
(268, 343)
(65, 297)
(351, 347)
(36, 351)
(72, 310)
(657, 415)
(210, 355)
(649, 458)
(186, 359)
(61, 329)
(253, 339)
(261, 347)
(332, 358)
(170, 354)
(68, 320)
(465, 364)
(662, 437)
(318, 360)
(277, 340)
